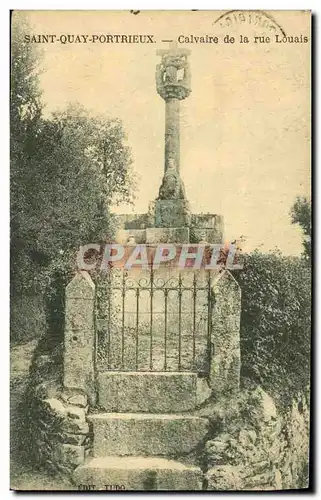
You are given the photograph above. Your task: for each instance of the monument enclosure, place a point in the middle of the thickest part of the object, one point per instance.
(137, 380)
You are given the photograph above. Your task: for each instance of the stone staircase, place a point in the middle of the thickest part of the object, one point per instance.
(143, 428)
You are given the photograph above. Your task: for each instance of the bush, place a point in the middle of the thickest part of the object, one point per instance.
(276, 323)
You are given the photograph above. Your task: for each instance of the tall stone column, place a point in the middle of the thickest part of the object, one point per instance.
(173, 84)
(172, 133)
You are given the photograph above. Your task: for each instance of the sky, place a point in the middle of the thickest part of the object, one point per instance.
(245, 128)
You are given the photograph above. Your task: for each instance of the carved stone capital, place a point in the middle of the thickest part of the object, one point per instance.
(173, 91)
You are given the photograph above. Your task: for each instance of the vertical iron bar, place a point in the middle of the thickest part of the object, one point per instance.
(179, 320)
(194, 318)
(137, 323)
(165, 334)
(123, 323)
(151, 320)
(209, 321)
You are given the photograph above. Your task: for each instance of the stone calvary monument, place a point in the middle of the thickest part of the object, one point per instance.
(145, 349)
(169, 219)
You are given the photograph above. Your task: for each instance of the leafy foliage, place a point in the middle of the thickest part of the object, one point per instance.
(301, 214)
(25, 114)
(276, 322)
(66, 171)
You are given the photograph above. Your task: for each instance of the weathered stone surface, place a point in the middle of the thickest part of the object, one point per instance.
(67, 438)
(68, 454)
(146, 434)
(205, 221)
(133, 221)
(207, 227)
(167, 235)
(139, 473)
(172, 187)
(153, 392)
(79, 335)
(247, 436)
(172, 213)
(212, 236)
(81, 286)
(264, 409)
(75, 426)
(55, 407)
(75, 412)
(226, 361)
(203, 391)
(122, 236)
(80, 400)
(224, 478)
(270, 451)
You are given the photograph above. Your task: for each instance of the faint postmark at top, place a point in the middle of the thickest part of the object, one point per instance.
(253, 20)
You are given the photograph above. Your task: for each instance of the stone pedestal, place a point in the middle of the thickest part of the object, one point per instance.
(171, 222)
(172, 213)
(155, 235)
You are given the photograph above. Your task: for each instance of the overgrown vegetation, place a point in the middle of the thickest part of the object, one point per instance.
(276, 323)
(66, 171)
(301, 215)
(276, 315)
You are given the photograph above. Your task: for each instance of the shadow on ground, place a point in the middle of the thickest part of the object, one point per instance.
(22, 476)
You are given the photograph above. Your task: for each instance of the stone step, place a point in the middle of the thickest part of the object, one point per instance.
(138, 473)
(153, 392)
(146, 434)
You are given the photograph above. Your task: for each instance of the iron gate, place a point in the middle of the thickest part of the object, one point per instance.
(152, 323)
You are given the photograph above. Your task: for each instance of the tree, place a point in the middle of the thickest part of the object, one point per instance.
(301, 214)
(25, 119)
(82, 166)
(66, 171)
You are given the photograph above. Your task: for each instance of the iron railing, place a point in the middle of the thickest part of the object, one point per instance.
(113, 334)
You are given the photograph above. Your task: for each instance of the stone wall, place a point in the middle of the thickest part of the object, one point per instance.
(63, 439)
(59, 437)
(254, 447)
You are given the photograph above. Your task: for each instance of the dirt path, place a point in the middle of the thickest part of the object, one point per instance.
(22, 476)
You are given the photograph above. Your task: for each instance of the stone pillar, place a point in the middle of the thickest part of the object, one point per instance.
(172, 133)
(79, 341)
(173, 85)
(225, 339)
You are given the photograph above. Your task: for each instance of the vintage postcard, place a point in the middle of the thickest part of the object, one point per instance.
(160, 250)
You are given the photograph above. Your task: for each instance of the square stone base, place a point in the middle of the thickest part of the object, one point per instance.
(172, 213)
(156, 235)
